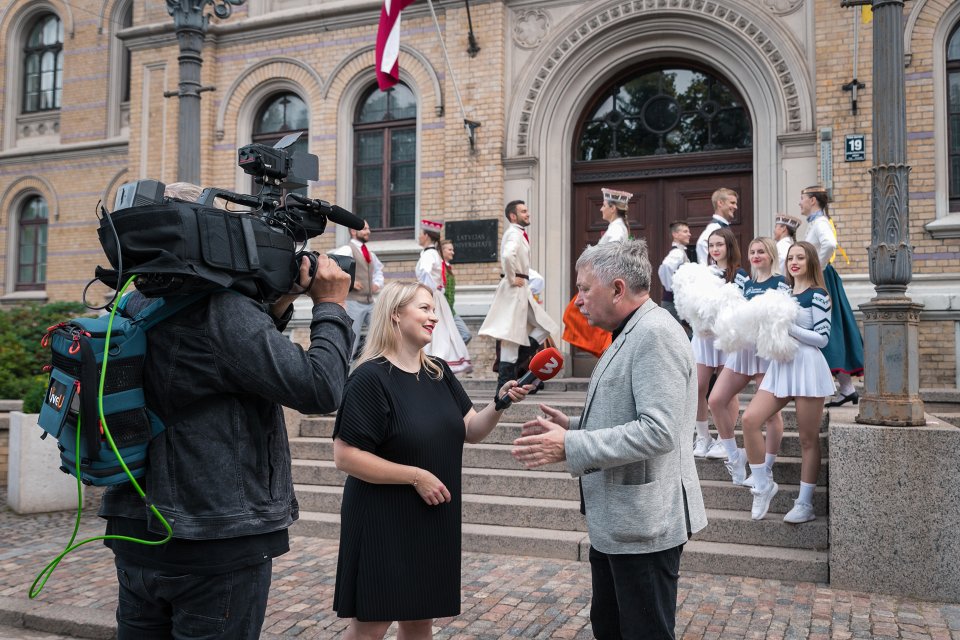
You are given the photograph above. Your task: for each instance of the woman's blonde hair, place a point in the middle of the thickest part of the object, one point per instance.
(383, 336)
(771, 248)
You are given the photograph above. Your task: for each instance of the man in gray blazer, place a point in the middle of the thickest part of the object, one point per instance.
(631, 448)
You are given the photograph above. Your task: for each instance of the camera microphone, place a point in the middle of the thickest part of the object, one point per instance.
(543, 366)
(332, 212)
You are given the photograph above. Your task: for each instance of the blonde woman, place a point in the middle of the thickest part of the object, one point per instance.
(399, 436)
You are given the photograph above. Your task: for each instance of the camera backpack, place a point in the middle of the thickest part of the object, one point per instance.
(78, 357)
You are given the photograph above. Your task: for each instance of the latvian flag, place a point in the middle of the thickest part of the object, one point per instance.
(388, 43)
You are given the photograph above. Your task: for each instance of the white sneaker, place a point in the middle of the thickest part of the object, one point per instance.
(761, 500)
(716, 451)
(749, 482)
(701, 446)
(801, 512)
(737, 467)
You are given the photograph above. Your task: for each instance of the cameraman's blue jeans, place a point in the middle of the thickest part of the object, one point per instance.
(157, 604)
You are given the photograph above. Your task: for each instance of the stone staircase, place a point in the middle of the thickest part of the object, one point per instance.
(507, 509)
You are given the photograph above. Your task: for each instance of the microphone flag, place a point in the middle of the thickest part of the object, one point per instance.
(388, 43)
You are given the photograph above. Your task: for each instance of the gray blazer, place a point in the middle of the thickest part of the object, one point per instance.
(632, 446)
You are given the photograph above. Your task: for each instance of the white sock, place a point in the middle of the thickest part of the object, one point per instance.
(769, 460)
(806, 493)
(761, 475)
(703, 431)
(846, 384)
(730, 444)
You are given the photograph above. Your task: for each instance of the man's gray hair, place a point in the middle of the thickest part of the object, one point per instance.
(627, 260)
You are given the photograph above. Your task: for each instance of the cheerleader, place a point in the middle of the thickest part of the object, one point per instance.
(431, 271)
(724, 255)
(806, 379)
(844, 352)
(576, 330)
(740, 367)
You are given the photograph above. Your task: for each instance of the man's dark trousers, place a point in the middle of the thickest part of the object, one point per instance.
(634, 595)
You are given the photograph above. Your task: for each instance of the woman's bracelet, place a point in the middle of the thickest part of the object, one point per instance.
(416, 477)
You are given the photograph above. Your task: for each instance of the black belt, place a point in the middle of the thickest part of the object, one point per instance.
(518, 275)
(667, 296)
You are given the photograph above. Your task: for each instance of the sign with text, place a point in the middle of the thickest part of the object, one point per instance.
(474, 240)
(855, 149)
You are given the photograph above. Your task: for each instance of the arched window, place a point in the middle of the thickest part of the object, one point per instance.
(43, 65)
(385, 159)
(953, 115)
(32, 244)
(668, 110)
(281, 115)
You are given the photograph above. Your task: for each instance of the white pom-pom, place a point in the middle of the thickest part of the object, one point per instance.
(692, 285)
(730, 326)
(776, 311)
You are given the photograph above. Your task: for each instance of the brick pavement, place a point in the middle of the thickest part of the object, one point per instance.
(503, 596)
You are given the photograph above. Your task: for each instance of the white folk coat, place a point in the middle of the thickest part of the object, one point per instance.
(514, 308)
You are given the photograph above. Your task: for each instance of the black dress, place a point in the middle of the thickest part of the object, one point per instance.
(400, 557)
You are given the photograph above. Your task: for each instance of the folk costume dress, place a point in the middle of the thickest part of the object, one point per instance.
(447, 343)
(704, 351)
(400, 557)
(514, 314)
(576, 330)
(807, 375)
(746, 361)
(844, 352)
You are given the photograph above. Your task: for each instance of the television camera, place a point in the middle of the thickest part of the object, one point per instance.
(178, 247)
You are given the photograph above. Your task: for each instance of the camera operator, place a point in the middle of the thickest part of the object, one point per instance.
(217, 374)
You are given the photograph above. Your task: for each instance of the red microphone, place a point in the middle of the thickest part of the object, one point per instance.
(543, 366)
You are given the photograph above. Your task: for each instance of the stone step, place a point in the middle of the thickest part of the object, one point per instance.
(723, 494)
(490, 456)
(737, 527)
(557, 385)
(507, 432)
(698, 555)
(772, 563)
(785, 471)
(519, 483)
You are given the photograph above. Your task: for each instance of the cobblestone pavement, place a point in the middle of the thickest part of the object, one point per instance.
(503, 596)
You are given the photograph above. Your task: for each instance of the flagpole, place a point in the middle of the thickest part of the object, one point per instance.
(468, 124)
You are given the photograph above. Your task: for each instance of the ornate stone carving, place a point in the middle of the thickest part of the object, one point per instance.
(530, 27)
(782, 7)
(630, 10)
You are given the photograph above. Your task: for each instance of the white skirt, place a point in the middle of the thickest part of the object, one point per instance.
(806, 376)
(746, 362)
(705, 353)
(447, 343)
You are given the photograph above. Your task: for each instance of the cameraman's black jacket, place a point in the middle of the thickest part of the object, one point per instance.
(217, 374)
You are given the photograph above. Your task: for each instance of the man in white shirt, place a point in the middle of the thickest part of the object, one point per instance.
(368, 281)
(677, 256)
(724, 210)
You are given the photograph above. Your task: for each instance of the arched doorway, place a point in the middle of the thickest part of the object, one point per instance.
(670, 133)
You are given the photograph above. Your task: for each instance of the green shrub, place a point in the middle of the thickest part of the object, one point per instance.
(21, 357)
(35, 394)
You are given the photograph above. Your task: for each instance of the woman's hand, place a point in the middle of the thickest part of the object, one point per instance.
(513, 389)
(430, 488)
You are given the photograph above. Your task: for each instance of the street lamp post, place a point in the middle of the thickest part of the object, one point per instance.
(891, 319)
(190, 24)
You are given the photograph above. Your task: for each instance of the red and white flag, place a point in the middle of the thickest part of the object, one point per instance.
(388, 43)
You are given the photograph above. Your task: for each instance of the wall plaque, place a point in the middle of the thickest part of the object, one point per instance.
(474, 240)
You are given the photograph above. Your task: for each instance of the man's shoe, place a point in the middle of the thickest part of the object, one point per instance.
(737, 467)
(801, 512)
(701, 446)
(716, 451)
(841, 399)
(761, 500)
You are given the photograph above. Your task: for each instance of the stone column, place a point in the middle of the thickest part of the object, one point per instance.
(891, 367)
(190, 24)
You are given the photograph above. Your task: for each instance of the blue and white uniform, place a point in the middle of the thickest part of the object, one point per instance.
(746, 361)
(704, 351)
(808, 374)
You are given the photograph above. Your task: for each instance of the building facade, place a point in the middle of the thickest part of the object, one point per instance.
(667, 99)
